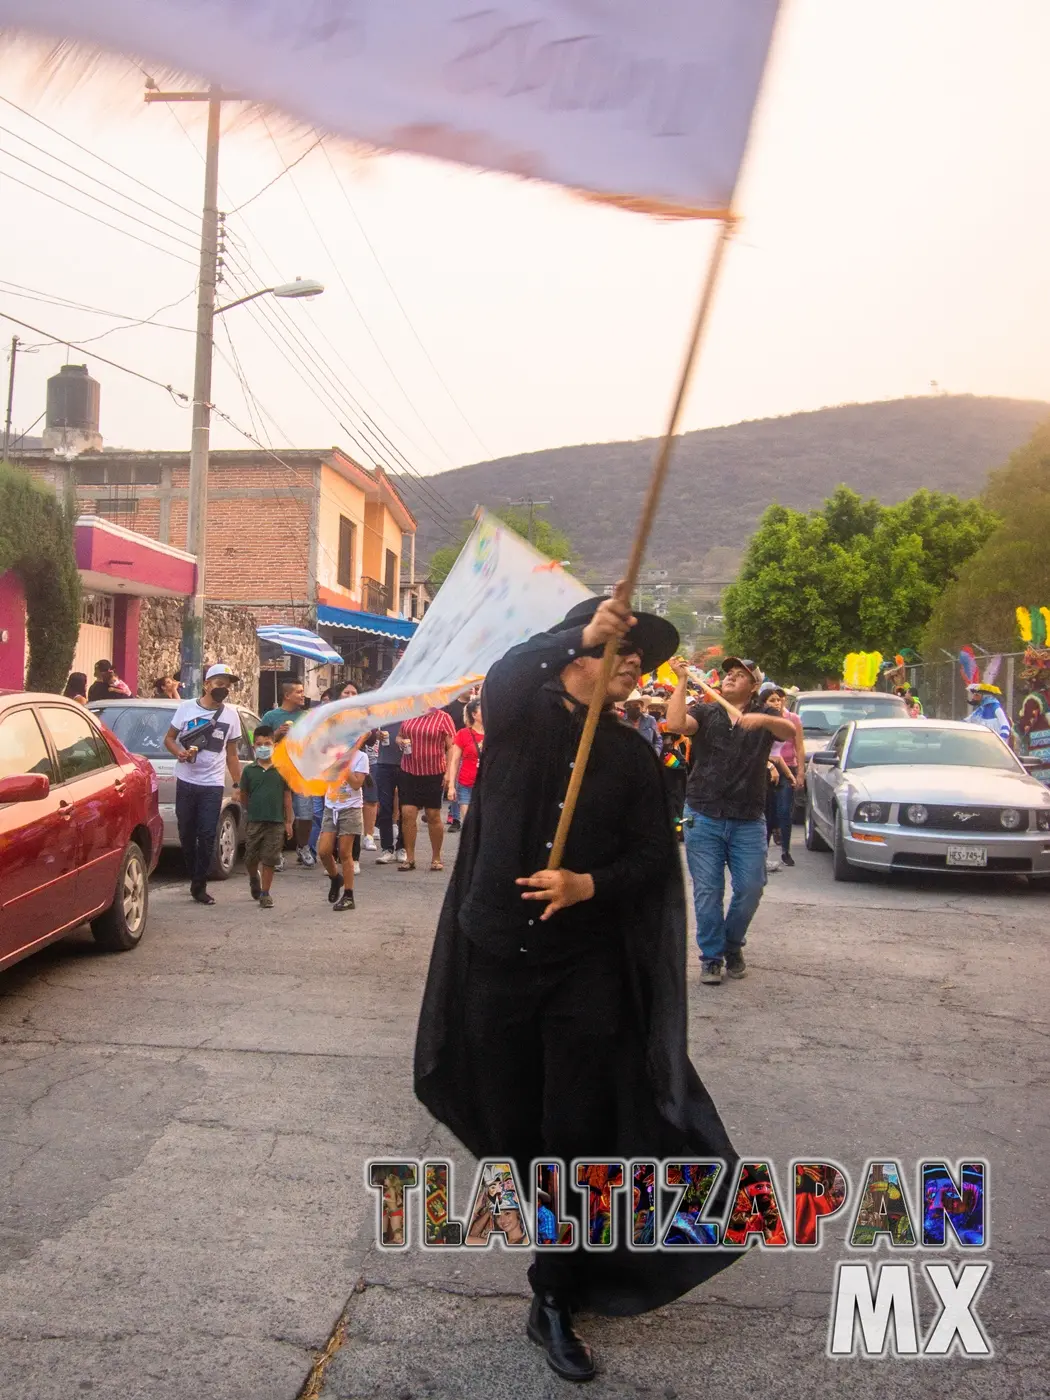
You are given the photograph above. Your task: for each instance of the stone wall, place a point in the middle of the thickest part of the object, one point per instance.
(229, 636)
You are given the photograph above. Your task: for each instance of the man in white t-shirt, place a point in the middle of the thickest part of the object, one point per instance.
(343, 822)
(203, 738)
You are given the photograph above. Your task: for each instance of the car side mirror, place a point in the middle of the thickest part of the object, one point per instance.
(825, 759)
(25, 787)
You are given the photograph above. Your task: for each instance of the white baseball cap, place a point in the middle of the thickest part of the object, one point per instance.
(221, 670)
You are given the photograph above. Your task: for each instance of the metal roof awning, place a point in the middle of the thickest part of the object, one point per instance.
(299, 641)
(395, 628)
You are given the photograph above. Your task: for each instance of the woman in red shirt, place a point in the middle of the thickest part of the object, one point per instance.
(426, 744)
(463, 766)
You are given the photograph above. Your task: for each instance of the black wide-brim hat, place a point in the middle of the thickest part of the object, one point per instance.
(655, 637)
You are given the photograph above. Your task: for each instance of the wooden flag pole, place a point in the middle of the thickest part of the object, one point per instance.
(641, 540)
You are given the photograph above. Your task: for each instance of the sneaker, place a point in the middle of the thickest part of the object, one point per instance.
(455, 826)
(369, 844)
(279, 868)
(402, 855)
(711, 971)
(254, 886)
(335, 888)
(266, 901)
(347, 902)
(772, 866)
(787, 858)
(735, 964)
(305, 856)
(776, 838)
(357, 867)
(387, 858)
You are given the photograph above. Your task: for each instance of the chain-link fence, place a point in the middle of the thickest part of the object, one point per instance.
(942, 690)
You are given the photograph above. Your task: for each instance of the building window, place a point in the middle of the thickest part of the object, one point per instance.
(390, 581)
(116, 505)
(346, 553)
(96, 609)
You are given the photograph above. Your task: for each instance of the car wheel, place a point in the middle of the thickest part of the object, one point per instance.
(122, 925)
(813, 838)
(840, 866)
(225, 857)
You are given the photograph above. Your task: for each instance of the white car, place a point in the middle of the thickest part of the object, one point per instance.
(926, 795)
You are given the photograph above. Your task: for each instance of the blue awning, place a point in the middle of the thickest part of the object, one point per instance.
(395, 628)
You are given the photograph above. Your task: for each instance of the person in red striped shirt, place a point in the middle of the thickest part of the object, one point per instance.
(426, 743)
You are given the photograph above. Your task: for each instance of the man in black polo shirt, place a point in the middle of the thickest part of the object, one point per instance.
(725, 810)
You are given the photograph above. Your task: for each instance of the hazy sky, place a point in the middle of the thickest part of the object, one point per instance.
(896, 209)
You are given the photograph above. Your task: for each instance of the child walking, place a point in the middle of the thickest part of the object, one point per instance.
(343, 823)
(270, 817)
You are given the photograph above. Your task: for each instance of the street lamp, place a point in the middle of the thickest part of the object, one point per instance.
(197, 505)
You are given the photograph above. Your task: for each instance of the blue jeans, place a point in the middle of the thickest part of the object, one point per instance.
(780, 808)
(315, 830)
(197, 812)
(711, 845)
(386, 776)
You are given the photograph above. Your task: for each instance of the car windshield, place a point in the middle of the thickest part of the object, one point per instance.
(141, 729)
(924, 743)
(824, 716)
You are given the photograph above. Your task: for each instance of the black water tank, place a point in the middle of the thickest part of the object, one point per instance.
(73, 399)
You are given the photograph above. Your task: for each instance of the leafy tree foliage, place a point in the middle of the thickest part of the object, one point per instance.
(853, 576)
(36, 541)
(1013, 565)
(547, 538)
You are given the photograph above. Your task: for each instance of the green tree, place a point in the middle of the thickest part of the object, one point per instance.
(680, 615)
(1011, 567)
(853, 576)
(36, 541)
(547, 538)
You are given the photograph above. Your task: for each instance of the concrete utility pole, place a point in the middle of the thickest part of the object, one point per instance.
(10, 398)
(532, 504)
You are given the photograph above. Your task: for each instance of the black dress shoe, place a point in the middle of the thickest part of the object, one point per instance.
(550, 1326)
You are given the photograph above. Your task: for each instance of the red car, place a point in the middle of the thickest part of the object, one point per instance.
(80, 828)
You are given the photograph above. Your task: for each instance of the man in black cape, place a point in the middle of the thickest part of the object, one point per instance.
(554, 1018)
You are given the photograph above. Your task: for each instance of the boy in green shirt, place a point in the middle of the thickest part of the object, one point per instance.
(269, 811)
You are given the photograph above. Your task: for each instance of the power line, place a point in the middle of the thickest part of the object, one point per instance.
(95, 219)
(94, 355)
(101, 159)
(131, 324)
(88, 176)
(122, 213)
(364, 234)
(280, 176)
(353, 303)
(23, 293)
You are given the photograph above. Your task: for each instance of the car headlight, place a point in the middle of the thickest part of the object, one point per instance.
(871, 812)
(1042, 821)
(1010, 818)
(917, 814)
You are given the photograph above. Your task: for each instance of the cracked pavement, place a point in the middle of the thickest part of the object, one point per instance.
(185, 1128)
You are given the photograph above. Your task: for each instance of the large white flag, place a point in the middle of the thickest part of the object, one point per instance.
(499, 592)
(646, 101)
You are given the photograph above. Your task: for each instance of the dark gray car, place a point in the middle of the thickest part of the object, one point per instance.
(141, 725)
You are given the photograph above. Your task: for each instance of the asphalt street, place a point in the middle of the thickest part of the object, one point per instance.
(185, 1128)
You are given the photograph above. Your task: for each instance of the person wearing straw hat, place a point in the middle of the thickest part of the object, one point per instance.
(553, 1023)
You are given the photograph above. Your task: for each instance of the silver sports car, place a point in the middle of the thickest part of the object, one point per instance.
(925, 795)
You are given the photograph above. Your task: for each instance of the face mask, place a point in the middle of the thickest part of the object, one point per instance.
(219, 693)
(264, 751)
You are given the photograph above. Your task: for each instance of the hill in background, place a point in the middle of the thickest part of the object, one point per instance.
(722, 479)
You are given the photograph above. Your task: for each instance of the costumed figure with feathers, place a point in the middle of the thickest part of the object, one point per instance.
(983, 695)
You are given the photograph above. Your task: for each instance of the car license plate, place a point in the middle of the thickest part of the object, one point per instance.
(968, 855)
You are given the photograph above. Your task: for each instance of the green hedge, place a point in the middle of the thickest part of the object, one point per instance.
(36, 540)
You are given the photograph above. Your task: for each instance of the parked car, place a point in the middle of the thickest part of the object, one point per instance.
(926, 795)
(824, 712)
(80, 828)
(141, 726)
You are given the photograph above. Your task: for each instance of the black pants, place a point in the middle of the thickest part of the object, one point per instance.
(197, 812)
(386, 776)
(542, 1044)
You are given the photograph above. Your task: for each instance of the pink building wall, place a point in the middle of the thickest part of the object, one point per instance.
(13, 622)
